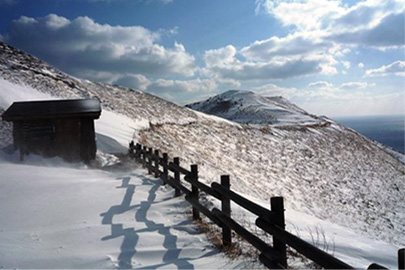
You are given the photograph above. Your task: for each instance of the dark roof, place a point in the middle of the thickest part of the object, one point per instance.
(52, 109)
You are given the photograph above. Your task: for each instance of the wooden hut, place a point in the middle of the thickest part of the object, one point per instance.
(63, 128)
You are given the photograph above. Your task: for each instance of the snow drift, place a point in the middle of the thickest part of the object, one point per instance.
(326, 172)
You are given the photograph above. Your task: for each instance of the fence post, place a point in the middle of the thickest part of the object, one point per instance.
(165, 169)
(176, 161)
(226, 209)
(401, 259)
(145, 149)
(149, 165)
(194, 190)
(131, 150)
(157, 160)
(277, 207)
(137, 152)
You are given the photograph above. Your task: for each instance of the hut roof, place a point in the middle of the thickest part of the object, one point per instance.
(53, 109)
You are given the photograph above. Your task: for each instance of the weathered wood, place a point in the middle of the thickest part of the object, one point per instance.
(266, 250)
(204, 210)
(203, 187)
(157, 158)
(149, 164)
(176, 161)
(277, 207)
(226, 210)
(194, 189)
(144, 156)
(176, 168)
(165, 161)
(156, 170)
(138, 151)
(322, 258)
(245, 203)
(269, 263)
(131, 150)
(401, 259)
(178, 186)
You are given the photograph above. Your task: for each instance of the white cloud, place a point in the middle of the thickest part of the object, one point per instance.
(291, 45)
(83, 45)
(356, 85)
(389, 32)
(320, 85)
(374, 23)
(185, 90)
(395, 68)
(305, 15)
(360, 65)
(275, 90)
(223, 63)
(135, 81)
(346, 64)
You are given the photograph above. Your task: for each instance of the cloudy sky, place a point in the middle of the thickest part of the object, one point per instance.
(329, 57)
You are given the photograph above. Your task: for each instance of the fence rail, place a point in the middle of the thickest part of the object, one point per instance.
(270, 220)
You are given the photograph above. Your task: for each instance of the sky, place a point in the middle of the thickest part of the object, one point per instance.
(334, 58)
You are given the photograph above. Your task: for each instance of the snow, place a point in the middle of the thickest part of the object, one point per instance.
(114, 132)
(249, 107)
(331, 178)
(62, 215)
(11, 92)
(57, 216)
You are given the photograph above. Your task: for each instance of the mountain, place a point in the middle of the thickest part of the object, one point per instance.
(249, 107)
(323, 169)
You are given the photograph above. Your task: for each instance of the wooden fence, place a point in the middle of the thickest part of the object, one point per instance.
(269, 220)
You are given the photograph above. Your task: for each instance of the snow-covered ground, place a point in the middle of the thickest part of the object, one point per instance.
(60, 215)
(249, 107)
(331, 177)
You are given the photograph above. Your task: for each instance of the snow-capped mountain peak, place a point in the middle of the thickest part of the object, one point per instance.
(250, 107)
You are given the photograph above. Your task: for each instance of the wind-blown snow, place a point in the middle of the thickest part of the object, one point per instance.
(57, 216)
(328, 174)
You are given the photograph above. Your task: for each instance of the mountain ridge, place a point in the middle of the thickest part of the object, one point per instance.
(326, 170)
(251, 108)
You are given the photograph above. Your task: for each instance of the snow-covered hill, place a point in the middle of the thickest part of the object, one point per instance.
(249, 107)
(322, 168)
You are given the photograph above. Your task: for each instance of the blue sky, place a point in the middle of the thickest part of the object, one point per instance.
(329, 57)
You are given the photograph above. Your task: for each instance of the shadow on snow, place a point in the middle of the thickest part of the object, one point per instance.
(131, 235)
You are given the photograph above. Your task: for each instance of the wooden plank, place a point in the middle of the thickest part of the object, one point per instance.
(320, 257)
(203, 187)
(245, 203)
(156, 158)
(226, 210)
(194, 190)
(176, 168)
(277, 207)
(178, 186)
(176, 161)
(204, 210)
(165, 174)
(266, 250)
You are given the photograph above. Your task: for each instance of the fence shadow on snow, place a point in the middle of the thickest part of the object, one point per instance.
(270, 220)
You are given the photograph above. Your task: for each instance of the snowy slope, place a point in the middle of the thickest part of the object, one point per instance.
(58, 215)
(249, 107)
(328, 174)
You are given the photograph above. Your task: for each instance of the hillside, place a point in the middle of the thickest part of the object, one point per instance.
(252, 108)
(322, 168)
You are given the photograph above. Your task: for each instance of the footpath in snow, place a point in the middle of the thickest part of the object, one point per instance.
(56, 216)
